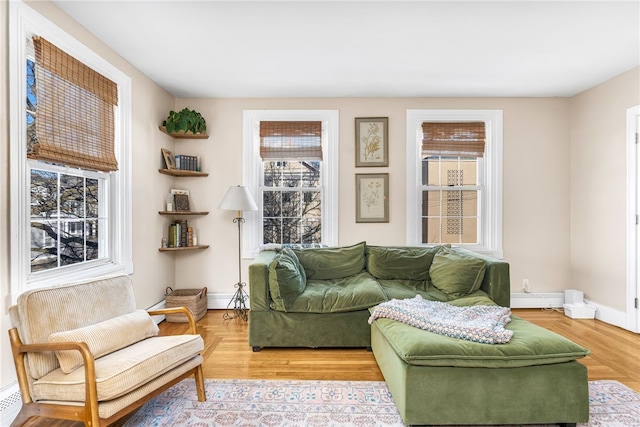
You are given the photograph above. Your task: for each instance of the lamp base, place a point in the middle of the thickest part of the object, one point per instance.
(238, 301)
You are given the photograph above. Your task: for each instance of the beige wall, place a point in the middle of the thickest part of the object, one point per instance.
(598, 188)
(536, 182)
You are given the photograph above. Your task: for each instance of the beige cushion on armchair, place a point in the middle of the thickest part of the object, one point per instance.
(104, 337)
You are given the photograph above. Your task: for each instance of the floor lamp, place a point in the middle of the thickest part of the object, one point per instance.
(238, 199)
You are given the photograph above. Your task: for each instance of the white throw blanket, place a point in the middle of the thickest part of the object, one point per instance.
(478, 323)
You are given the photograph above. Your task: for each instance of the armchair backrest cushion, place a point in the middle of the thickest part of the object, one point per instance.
(41, 312)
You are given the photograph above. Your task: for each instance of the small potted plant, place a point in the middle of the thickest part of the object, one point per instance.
(185, 121)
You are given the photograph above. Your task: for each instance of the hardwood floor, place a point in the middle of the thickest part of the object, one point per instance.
(615, 353)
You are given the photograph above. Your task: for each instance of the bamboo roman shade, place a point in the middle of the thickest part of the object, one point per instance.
(465, 139)
(75, 113)
(290, 140)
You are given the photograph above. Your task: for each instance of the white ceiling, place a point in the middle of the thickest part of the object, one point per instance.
(303, 48)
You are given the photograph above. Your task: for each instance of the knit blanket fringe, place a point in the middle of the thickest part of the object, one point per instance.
(479, 323)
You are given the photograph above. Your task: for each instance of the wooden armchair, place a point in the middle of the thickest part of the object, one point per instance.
(84, 353)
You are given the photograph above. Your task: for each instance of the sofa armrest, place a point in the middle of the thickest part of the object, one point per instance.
(496, 282)
(259, 281)
(193, 327)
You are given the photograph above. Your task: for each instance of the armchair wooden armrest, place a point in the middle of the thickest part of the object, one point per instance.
(19, 350)
(193, 328)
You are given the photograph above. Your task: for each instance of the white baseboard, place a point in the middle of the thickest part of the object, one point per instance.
(610, 315)
(10, 404)
(537, 300)
(214, 302)
(220, 301)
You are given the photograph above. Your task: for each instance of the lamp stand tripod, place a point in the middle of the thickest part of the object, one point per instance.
(239, 298)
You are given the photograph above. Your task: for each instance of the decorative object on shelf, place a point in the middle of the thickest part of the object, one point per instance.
(372, 141)
(169, 159)
(181, 202)
(372, 197)
(238, 199)
(184, 122)
(170, 202)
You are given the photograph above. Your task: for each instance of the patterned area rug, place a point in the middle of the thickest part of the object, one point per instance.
(329, 403)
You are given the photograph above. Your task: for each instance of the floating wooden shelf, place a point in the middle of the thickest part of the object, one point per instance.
(180, 172)
(184, 248)
(184, 135)
(183, 213)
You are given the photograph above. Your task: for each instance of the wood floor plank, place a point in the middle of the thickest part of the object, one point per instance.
(615, 353)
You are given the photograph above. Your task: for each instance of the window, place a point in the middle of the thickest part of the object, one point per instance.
(454, 181)
(70, 192)
(291, 170)
(291, 187)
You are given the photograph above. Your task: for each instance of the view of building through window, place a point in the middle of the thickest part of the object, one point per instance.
(292, 202)
(450, 200)
(64, 219)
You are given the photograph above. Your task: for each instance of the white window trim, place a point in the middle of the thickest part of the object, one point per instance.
(252, 170)
(24, 22)
(490, 239)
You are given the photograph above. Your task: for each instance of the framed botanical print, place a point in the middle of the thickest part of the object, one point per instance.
(372, 141)
(372, 197)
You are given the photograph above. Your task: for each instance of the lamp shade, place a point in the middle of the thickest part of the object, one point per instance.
(238, 198)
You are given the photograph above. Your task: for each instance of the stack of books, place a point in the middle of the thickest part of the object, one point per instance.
(180, 234)
(188, 163)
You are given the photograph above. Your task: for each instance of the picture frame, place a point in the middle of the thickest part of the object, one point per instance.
(181, 202)
(372, 141)
(372, 197)
(169, 159)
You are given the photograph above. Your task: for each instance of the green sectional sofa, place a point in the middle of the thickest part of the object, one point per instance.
(327, 297)
(330, 309)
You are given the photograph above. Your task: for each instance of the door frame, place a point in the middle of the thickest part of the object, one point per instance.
(633, 212)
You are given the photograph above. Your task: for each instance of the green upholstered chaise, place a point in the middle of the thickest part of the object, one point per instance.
(322, 298)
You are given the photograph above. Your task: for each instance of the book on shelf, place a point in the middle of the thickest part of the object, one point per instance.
(180, 234)
(185, 162)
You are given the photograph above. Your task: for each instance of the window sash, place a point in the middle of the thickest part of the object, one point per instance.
(54, 211)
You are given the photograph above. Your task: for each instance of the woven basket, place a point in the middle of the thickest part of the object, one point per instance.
(194, 299)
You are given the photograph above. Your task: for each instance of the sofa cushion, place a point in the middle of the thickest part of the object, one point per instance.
(456, 273)
(122, 371)
(104, 337)
(332, 263)
(530, 345)
(400, 263)
(287, 279)
(352, 293)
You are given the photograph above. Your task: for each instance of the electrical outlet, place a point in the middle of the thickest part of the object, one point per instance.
(525, 285)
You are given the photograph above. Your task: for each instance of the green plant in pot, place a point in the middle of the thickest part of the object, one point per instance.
(185, 121)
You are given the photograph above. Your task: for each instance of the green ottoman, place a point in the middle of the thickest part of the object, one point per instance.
(434, 379)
